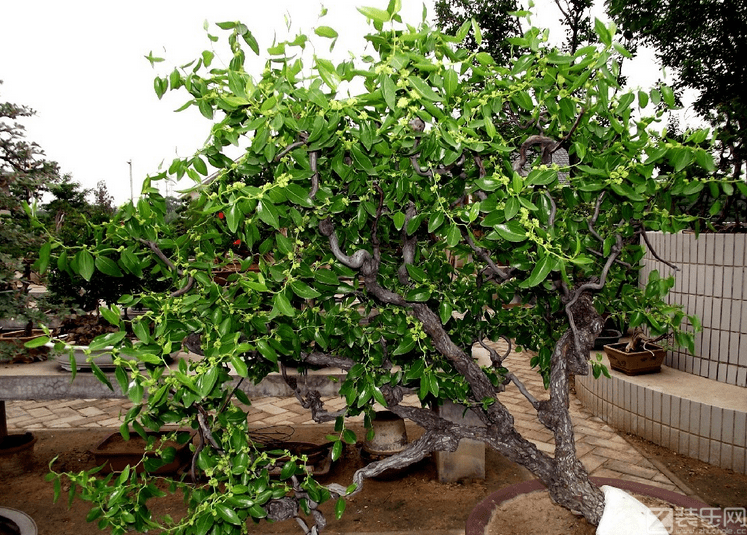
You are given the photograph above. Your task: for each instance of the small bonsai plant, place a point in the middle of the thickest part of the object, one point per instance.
(402, 222)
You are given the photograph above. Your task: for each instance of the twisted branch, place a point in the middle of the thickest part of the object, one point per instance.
(653, 251)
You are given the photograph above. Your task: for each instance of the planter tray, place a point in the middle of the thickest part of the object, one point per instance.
(636, 362)
(319, 456)
(116, 453)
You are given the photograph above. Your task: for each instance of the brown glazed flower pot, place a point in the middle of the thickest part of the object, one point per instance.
(635, 362)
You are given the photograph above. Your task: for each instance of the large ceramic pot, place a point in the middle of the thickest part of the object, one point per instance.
(16, 454)
(483, 512)
(102, 358)
(16, 341)
(15, 521)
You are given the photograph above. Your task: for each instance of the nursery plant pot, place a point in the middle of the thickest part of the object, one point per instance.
(15, 340)
(390, 434)
(390, 437)
(635, 362)
(118, 453)
(481, 515)
(15, 521)
(16, 454)
(607, 336)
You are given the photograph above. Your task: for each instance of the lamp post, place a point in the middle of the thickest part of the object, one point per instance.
(132, 196)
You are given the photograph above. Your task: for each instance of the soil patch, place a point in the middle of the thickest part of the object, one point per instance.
(718, 487)
(536, 514)
(414, 502)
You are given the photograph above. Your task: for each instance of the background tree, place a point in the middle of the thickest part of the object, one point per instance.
(391, 230)
(25, 174)
(499, 23)
(493, 18)
(103, 202)
(703, 44)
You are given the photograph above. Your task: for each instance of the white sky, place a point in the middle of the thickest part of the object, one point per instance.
(81, 66)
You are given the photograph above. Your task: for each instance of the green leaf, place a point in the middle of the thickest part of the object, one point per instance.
(444, 312)
(327, 72)
(339, 508)
(601, 30)
(142, 331)
(453, 236)
(418, 295)
(361, 160)
(406, 345)
(435, 222)
(267, 351)
(389, 90)
(539, 273)
(257, 511)
(451, 82)
(44, 254)
(484, 58)
(681, 158)
(303, 290)
(349, 436)
(239, 365)
(37, 342)
(298, 195)
(705, 160)
(268, 213)
(233, 216)
(228, 514)
(326, 276)
(417, 274)
(85, 264)
(107, 266)
(478, 32)
(326, 31)
(375, 14)
(100, 375)
(511, 231)
(668, 95)
(283, 306)
(693, 187)
(425, 90)
(512, 208)
(337, 450)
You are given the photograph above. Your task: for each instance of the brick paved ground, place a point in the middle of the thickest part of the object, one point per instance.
(604, 452)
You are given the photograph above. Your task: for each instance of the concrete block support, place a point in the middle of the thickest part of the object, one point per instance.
(468, 461)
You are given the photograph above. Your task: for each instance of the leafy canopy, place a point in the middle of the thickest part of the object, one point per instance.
(415, 177)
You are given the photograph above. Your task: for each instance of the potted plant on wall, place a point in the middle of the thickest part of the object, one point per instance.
(645, 353)
(364, 202)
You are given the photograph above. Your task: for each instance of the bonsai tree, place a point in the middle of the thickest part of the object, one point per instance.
(395, 203)
(24, 175)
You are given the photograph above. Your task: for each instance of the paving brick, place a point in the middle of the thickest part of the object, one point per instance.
(91, 411)
(613, 443)
(631, 469)
(39, 412)
(600, 448)
(591, 462)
